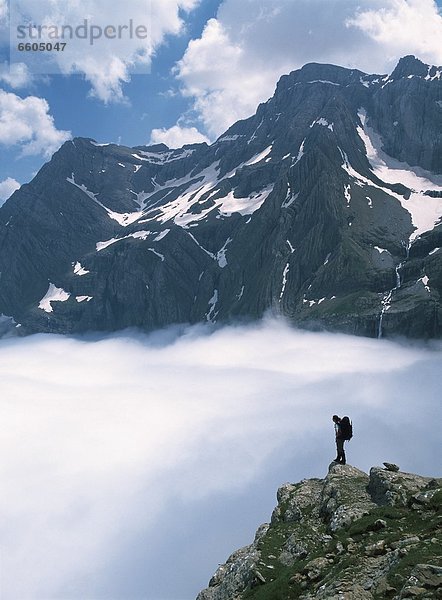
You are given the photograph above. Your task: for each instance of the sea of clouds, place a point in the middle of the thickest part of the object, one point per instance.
(132, 464)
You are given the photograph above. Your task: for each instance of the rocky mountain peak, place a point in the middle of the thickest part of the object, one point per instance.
(319, 73)
(409, 66)
(351, 536)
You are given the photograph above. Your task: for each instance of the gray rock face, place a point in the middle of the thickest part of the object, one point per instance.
(391, 466)
(425, 581)
(403, 99)
(284, 212)
(288, 508)
(239, 572)
(344, 496)
(388, 487)
(349, 535)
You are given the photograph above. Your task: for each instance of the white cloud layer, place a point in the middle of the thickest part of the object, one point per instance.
(7, 188)
(26, 122)
(237, 61)
(131, 456)
(177, 136)
(109, 61)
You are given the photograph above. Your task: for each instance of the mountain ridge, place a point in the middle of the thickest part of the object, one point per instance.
(308, 209)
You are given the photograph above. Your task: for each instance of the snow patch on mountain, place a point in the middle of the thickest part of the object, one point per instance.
(202, 190)
(290, 246)
(244, 206)
(211, 314)
(221, 255)
(323, 122)
(203, 249)
(123, 219)
(161, 256)
(284, 280)
(433, 73)
(198, 185)
(300, 152)
(424, 280)
(425, 211)
(324, 81)
(137, 235)
(161, 235)
(229, 138)
(141, 198)
(259, 157)
(290, 197)
(166, 156)
(79, 270)
(54, 294)
(389, 169)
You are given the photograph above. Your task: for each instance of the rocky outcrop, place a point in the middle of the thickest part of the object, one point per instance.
(345, 497)
(286, 212)
(388, 487)
(348, 536)
(240, 571)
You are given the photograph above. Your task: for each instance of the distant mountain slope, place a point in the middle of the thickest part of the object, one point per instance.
(324, 206)
(349, 536)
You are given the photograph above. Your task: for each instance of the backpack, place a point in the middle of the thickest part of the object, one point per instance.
(346, 428)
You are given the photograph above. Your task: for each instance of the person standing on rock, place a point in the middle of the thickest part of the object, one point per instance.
(340, 439)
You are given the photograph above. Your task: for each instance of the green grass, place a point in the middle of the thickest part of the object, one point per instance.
(430, 553)
(436, 501)
(279, 589)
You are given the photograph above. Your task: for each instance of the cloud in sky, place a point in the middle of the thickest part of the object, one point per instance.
(3, 10)
(26, 122)
(177, 136)
(241, 53)
(132, 453)
(404, 27)
(109, 61)
(16, 75)
(7, 188)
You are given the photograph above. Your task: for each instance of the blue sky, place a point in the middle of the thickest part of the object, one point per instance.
(147, 105)
(212, 62)
(147, 102)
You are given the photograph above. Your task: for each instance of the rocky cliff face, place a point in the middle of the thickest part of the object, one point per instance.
(324, 207)
(350, 536)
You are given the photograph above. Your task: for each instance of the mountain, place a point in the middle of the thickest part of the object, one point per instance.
(325, 207)
(350, 536)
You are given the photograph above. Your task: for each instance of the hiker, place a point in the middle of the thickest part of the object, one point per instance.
(340, 439)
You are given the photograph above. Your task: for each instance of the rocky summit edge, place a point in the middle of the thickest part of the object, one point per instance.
(349, 536)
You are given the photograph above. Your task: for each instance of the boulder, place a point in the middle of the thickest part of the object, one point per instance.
(394, 487)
